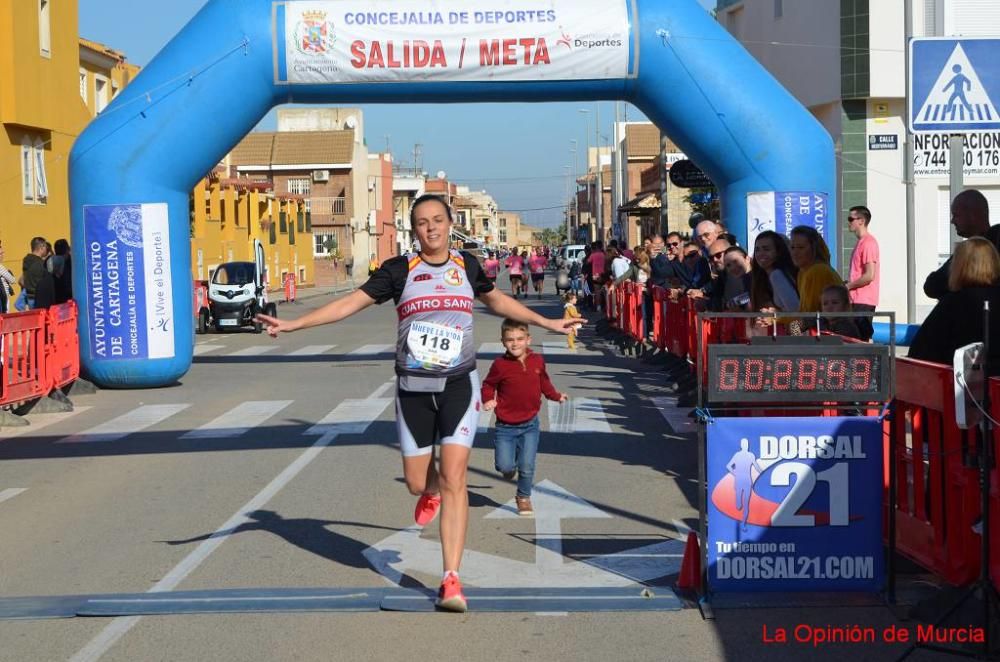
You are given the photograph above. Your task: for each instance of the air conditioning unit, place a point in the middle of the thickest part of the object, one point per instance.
(321, 175)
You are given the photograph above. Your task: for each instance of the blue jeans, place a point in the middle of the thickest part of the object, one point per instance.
(515, 448)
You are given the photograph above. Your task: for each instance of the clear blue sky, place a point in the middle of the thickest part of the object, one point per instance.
(521, 150)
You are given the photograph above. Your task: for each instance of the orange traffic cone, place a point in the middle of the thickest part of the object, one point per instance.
(690, 575)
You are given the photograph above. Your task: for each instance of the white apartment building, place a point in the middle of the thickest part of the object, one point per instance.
(845, 61)
(405, 189)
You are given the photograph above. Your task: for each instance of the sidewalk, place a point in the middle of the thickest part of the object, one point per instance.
(306, 293)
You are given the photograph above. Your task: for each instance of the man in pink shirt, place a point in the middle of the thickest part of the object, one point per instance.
(536, 263)
(515, 264)
(597, 263)
(864, 275)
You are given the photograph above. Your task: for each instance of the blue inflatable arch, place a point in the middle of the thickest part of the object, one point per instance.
(132, 170)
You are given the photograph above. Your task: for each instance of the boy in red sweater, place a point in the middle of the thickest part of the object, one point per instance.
(514, 387)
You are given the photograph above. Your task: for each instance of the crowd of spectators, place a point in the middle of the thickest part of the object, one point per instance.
(46, 277)
(782, 275)
(962, 285)
(794, 275)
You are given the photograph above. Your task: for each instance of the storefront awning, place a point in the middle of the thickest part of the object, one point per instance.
(645, 202)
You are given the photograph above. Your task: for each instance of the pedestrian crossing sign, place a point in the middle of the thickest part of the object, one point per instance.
(954, 85)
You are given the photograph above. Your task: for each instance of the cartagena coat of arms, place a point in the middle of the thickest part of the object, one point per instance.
(314, 33)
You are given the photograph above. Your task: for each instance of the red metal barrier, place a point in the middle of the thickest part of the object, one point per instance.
(62, 345)
(692, 330)
(22, 357)
(995, 487)
(937, 498)
(679, 337)
(636, 322)
(937, 495)
(625, 297)
(661, 335)
(624, 309)
(200, 298)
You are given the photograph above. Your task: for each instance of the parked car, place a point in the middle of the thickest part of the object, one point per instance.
(236, 294)
(569, 254)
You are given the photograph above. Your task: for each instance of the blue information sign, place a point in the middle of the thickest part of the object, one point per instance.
(129, 306)
(954, 85)
(795, 504)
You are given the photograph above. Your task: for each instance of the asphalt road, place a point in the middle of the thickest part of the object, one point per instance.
(285, 451)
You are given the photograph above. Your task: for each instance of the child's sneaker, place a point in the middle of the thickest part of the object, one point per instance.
(427, 509)
(524, 508)
(450, 596)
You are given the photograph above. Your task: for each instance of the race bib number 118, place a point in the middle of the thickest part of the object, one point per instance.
(435, 344)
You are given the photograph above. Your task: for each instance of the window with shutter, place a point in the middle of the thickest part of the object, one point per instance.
(41, 181)
(27, 173)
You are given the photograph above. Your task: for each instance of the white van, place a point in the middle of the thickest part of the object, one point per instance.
(570, 253)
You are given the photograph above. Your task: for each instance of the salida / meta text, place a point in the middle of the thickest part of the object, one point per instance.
(420, 54)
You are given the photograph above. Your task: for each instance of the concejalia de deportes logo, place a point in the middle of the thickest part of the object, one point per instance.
(314, 35)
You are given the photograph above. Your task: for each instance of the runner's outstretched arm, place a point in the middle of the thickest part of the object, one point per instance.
(505, 306)
(334, 311)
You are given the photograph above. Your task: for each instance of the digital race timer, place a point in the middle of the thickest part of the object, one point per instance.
(801, 372)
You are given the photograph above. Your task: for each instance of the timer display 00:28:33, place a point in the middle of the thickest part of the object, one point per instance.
(753, 374)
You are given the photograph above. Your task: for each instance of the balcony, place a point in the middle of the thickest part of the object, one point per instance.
(334, 209)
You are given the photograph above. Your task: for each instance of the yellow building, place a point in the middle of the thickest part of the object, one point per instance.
(103, 73)
(228, 214)
(41, 114)
(528, 236)
(509, 229)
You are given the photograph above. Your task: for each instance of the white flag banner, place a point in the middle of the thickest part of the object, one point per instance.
(394, 41)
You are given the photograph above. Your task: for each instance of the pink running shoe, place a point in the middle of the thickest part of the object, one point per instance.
(450, 596)
(427, 509)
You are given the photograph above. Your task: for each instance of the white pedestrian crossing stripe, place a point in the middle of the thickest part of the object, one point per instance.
(205, 349)
(255, 350)
(11, 492)
(373, 350)
(40, 422)
(485, 420)
(491, 350)
(136, 420)
(555, 348)
(238, 420)
(312, 350)
(561, 348)
(958, 96)
(578, 415)
(351, 416)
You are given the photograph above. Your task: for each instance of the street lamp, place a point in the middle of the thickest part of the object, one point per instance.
(576, 158)
(570, 226)
(586, 119)
(599, 175)
(567, 169)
